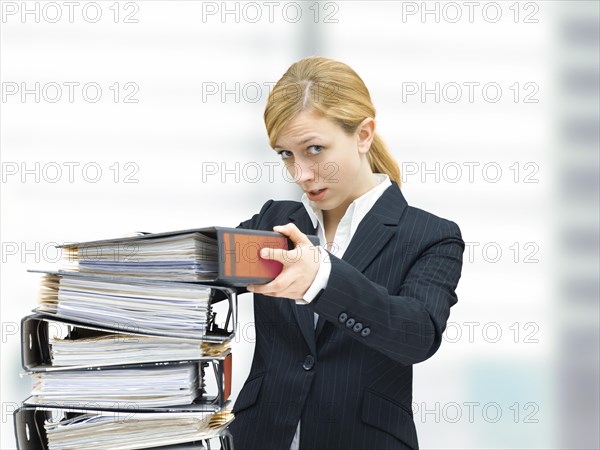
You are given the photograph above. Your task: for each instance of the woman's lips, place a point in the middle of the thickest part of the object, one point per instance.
(318, 196)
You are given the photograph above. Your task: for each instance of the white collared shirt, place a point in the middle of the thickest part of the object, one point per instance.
(355, 213)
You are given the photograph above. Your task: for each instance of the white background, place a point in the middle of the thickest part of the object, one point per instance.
(197, 82)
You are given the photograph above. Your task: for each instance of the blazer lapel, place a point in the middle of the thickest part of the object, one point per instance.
(374, 231)
(376, 228)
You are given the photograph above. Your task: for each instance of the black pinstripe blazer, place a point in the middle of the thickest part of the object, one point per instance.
(384, 309)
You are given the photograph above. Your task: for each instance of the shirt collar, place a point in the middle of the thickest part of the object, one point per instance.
(361, 203)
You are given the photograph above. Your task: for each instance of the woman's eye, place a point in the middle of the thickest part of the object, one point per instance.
(285, 154)
(313, 150)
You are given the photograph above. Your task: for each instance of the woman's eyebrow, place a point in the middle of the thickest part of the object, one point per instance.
(304, 141)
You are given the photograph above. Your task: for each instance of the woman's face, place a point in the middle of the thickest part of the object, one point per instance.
(329, 165)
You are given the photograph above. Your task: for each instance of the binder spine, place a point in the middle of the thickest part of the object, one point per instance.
(29, 428)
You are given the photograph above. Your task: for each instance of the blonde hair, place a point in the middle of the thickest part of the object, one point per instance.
(333, 90)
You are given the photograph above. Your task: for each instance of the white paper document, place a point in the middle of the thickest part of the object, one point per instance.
(119, 388)
(171, 309)
(129, 431)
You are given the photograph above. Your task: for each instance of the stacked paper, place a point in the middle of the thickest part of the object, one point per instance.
(120, 342)
(119, 388)
(173, 309)
(181, 257)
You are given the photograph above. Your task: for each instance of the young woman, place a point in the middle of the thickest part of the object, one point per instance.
(337, 332)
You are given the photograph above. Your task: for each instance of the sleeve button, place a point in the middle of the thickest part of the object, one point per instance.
(342, 317)
(358, 327)
(365, 332)
(350, 322)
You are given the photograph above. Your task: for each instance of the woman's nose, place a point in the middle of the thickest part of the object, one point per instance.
(303, 172)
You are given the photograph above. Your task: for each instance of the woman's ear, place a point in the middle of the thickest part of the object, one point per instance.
(365, 133)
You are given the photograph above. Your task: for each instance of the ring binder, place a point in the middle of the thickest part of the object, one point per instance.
(143, 310)
(86, 286)
(31, 423)
(220, 255)
(36, 354)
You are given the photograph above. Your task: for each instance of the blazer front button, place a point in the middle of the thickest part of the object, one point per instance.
(358, 327)
(365, 332)
(350, 322)
(309, 362)
(342, 317)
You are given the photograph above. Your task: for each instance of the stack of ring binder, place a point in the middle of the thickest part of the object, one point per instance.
(125, 337)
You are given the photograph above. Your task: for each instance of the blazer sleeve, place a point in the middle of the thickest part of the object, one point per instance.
(253, 223)
(407, 326)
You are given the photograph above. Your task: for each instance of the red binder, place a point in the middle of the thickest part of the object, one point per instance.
(227, 369)
(234, 256)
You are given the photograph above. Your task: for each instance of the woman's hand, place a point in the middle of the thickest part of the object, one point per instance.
(300, 266)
